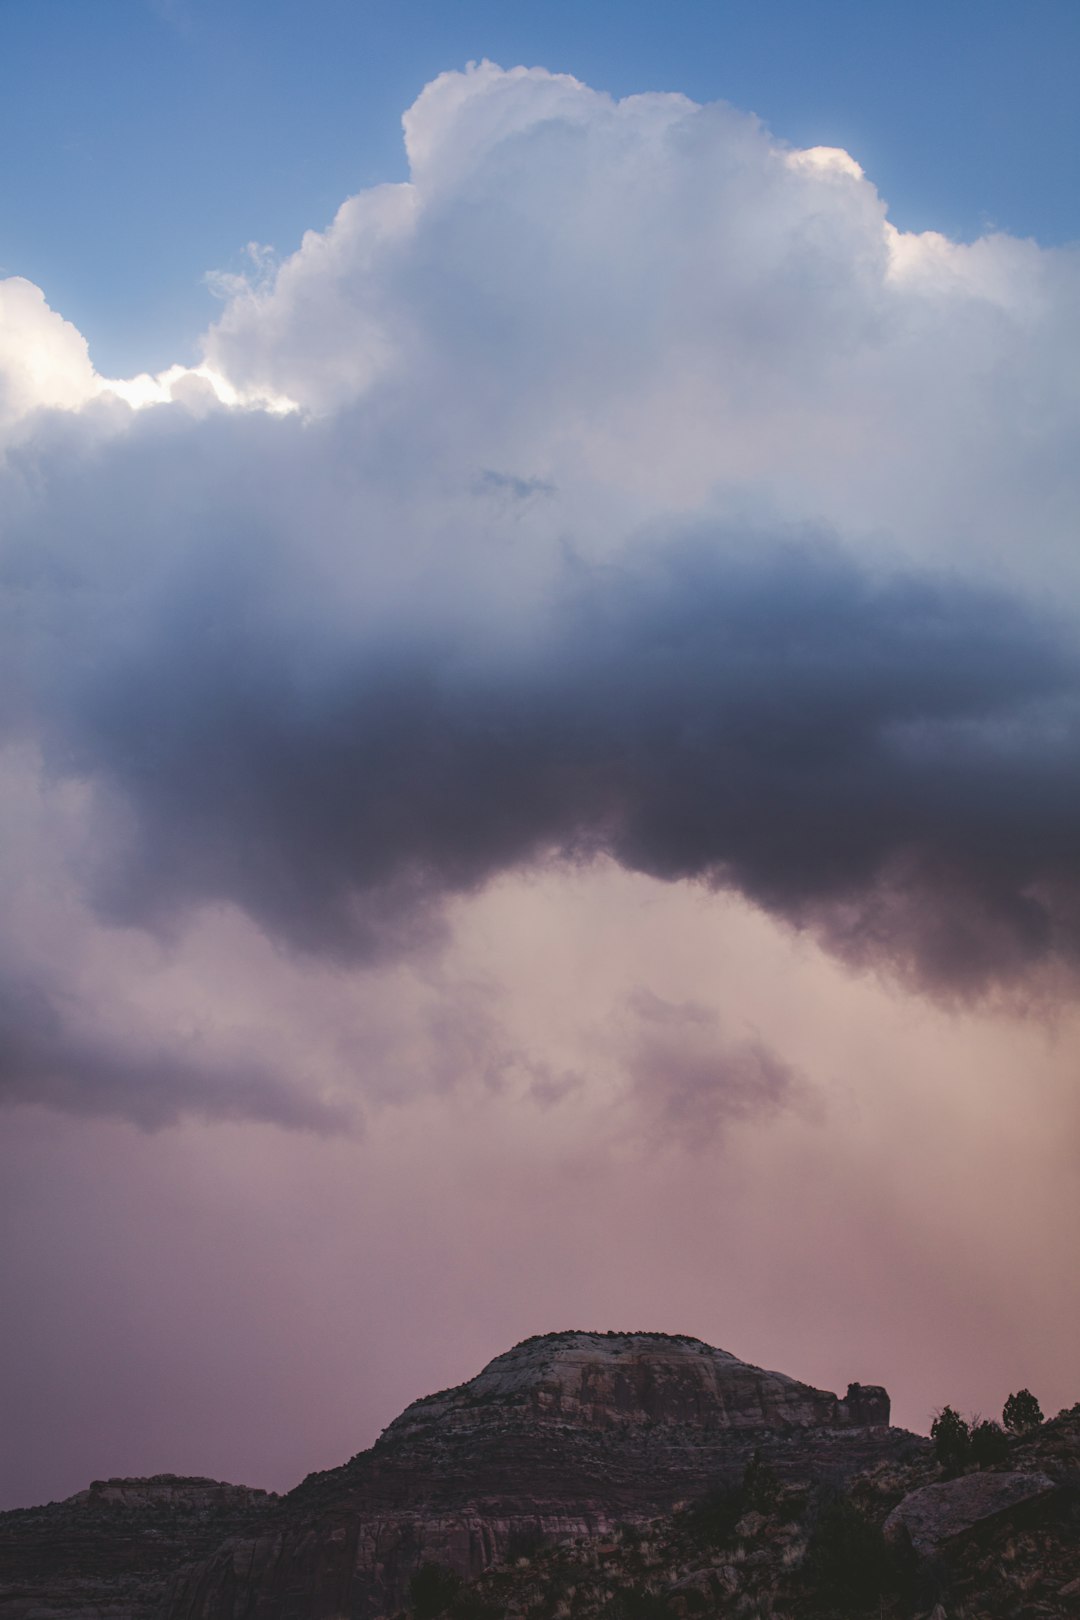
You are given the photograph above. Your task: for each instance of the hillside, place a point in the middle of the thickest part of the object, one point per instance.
(561, 1439)
(632, 1476)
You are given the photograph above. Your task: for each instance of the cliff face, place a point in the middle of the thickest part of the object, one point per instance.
(565, 1436)
(603, 1381)
(109, 1552)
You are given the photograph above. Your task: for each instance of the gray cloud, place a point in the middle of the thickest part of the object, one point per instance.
(52, 1055)
(512, 485)
(691, 1081)
(890, 761)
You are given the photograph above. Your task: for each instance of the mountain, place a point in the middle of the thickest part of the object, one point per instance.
(630, 1476)
(110, 1552)
(567, 1435)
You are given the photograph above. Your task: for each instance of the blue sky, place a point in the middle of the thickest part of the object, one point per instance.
(149, 140)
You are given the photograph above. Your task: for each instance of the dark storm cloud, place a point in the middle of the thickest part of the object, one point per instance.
(890, 761)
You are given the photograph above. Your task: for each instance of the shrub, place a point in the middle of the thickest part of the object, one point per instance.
(761, 1487)
(524, 1541)
(952, 1438)
(1022, 1412)
(848, 1559)
(638, 1603)
(989, 1444)
(467, 1606)
(432, 1590)
(713, 1517)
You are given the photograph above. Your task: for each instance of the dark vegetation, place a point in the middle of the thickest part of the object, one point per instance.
(436, 1591)
(848, 1562)
(960, 1443)
(714, 1517)
(759, 1547)
(1022, 1412)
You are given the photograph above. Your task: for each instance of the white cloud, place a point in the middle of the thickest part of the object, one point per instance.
(45, 365)
(44, 360)
(654, 307)
(657, 307)
(197, 387)
(826, 160)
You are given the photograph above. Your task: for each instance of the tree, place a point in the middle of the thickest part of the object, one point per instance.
(952, 1438)
(1022, 1412)
(761, 1486)
(989, 1444)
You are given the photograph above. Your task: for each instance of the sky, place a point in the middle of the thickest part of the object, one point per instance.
(538, 708)
(156, 138)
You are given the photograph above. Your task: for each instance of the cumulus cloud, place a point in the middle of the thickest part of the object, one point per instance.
(658, 306)
(623, 484)
(44, 360)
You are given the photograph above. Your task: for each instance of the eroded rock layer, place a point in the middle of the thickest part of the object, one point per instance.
(110, 1552)
(566, 1435)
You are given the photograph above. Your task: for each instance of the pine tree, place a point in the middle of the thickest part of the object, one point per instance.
(1022, 1412)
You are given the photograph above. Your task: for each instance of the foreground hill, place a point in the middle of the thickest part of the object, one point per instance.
(901, 1541)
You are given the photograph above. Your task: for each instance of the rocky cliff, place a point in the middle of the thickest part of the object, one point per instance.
(904, 1540)
(628, 1380)
(109, 1552)
(585, 1476)
(563, 1437)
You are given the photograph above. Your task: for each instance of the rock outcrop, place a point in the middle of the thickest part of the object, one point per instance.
(928, 1519)
(109, 1552)
(608, 1380)
(563, 1437)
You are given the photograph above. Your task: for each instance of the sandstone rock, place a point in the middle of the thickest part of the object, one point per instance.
(698, 1580)
(728, 1578)
(567, 1435)
(865, 1404)
(937, 1514)
(173, 1492)
(701, 1586)
(602, 1380)
(109, 1552)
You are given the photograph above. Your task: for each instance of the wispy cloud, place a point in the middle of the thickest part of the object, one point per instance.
(691, 1080)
